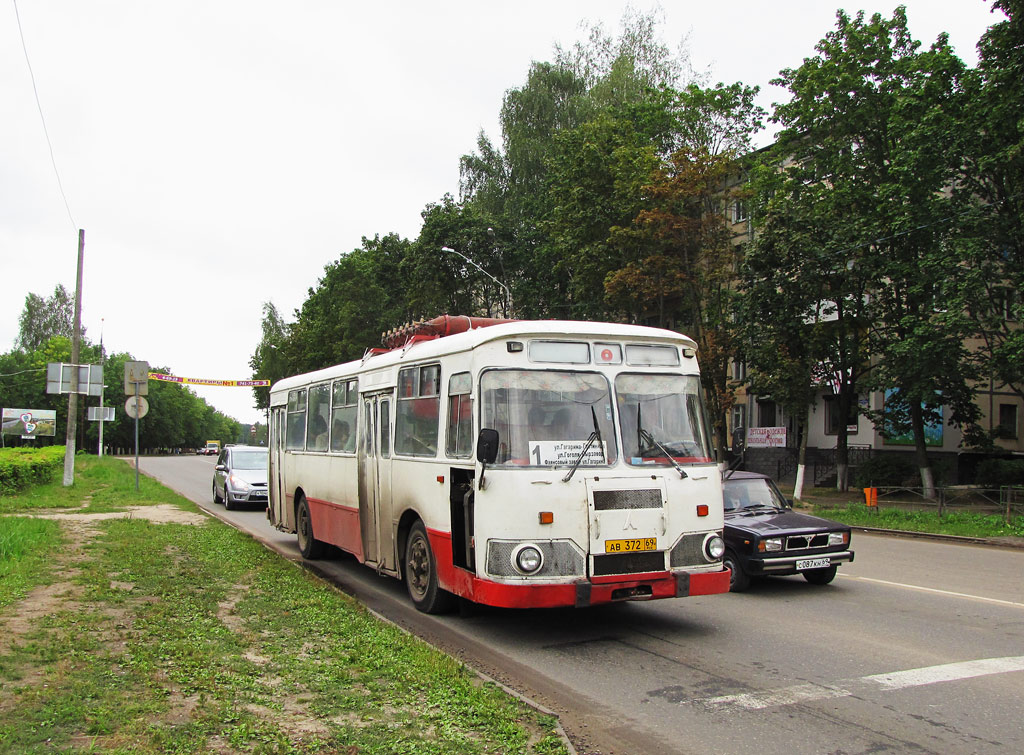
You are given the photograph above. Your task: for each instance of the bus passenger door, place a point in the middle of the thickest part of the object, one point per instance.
(280, 512)
(374, 460)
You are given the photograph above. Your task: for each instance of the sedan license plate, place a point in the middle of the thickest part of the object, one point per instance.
(632, 545)
(813, 563)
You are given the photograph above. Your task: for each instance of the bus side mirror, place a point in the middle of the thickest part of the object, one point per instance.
(487, 446)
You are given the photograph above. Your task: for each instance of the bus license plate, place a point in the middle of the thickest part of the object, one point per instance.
(813, 563)
(631, 545)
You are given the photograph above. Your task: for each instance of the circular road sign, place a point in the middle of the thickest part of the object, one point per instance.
(136, 407)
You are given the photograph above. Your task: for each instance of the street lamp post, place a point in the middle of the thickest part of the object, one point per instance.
(509, 309)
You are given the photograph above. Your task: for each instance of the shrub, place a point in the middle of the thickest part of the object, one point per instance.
(886, 469)
(22, 467)
(1000, 472)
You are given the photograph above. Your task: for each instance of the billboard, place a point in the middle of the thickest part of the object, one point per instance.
(30, 423)
(766, 437)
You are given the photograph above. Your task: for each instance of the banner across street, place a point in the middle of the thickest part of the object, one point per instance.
(203, 381)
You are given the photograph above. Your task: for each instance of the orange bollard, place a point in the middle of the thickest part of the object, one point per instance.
(871, 497)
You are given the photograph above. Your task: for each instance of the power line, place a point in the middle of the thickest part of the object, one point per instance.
(39, 106)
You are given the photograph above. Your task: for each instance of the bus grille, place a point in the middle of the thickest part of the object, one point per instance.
(689, 551)
(560, 559)
(606, 500)
(629, 563)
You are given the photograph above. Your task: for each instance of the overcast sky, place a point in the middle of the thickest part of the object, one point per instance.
(220, 153)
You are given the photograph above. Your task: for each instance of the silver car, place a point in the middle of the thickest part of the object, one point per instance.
(240, 476)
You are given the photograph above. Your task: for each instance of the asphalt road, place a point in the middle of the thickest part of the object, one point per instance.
(918, 646)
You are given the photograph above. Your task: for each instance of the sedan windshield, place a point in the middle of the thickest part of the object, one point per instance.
(545, 418)
(752, 495)
(662, 419)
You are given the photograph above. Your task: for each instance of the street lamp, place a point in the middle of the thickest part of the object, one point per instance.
(508, 294)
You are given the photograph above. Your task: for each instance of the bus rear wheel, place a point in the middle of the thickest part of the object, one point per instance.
(309, 546)
(421, 574)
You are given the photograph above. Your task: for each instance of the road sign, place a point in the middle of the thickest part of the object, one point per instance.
(101, 413)
(59, 374)
(136, 378)
(136, 407)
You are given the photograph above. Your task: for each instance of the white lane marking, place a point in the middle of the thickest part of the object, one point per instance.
(916, 677)
(948, 672)
(936, 591)
(785, 696)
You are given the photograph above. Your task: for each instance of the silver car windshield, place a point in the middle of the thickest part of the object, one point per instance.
(249, 460)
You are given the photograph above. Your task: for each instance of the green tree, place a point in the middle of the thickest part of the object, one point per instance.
(679, 251)
(990, 193)
(42, 318)
(268, 360)
(873, 129)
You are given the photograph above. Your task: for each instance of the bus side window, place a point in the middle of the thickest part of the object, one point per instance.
(417, 416)
(459, 439)
(296, 432)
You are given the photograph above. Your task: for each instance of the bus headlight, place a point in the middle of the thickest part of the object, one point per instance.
(527, 559)
(714, 547)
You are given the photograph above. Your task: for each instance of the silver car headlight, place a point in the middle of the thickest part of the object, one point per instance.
(237, 483)
(527, 559)
(771, 544)
(838, 538)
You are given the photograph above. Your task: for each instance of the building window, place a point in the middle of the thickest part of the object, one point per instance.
(1008, 421)
(832, 420)
(767, 413)
(739, 211)
(739, 370)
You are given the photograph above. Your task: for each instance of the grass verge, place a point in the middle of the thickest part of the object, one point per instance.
(141, 636)
(955, 523)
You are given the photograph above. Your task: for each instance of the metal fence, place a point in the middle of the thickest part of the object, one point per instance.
(1007, 500)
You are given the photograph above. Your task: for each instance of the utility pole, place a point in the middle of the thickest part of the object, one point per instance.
(102, 386)
(76, 342)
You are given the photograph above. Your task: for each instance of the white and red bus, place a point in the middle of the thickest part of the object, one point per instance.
(512, 463)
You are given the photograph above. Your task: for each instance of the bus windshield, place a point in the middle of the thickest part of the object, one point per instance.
(662, 419)
(546, 418)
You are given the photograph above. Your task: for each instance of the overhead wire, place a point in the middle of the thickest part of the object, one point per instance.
(39, 106)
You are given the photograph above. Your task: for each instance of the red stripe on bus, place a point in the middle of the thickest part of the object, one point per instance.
(601, 589)
(336, 524)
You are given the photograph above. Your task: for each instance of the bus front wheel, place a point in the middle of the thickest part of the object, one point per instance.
(421, 574)
(309, 546)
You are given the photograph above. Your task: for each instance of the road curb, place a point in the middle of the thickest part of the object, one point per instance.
(962, 539)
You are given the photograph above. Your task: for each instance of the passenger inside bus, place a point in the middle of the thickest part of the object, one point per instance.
(318, 436)
(341, 437)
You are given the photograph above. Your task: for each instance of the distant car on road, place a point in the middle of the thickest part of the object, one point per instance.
(240, 477)
(764, 536)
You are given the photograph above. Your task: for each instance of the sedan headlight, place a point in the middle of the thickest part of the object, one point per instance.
(838, 538)
(237, 483)
(527, 559)
(771, 544)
